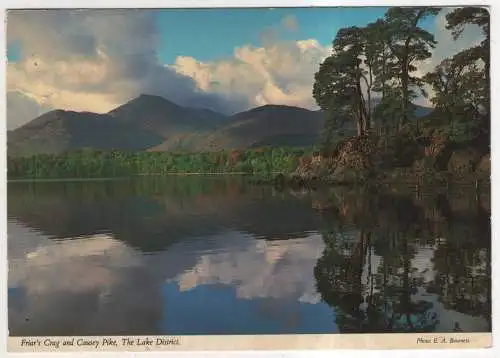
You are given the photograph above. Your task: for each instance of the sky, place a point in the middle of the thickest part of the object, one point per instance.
(248, 26)
(227, 60)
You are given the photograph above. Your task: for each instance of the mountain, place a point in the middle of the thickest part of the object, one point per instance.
(272, 125)
(166, 118)
(269, 125)
(154, 123)
(140, 124)
(59, 131)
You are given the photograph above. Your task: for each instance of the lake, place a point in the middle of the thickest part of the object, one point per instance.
(215, 255)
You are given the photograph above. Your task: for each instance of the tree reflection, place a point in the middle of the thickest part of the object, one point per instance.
(463, 270)
(369, 272)
(380, 299)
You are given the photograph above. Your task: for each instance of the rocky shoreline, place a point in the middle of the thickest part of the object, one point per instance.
(378, 161)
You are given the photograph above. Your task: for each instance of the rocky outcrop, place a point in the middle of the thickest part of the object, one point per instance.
(349, 162)
(408, 157)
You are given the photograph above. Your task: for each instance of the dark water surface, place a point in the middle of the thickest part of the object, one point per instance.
(191, 255)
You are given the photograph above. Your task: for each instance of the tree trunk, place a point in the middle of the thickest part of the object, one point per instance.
(366, 124)
(406, 95)
(369, 94)
(382, 129)
(362, 106)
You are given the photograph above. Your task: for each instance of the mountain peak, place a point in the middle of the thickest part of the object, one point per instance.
(277, 107)
(146, 96)
(143, 103)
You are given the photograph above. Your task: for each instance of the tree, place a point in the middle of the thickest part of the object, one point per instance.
(382, 66)
(478, 55)
(338, 83)
(459, 18)
(461, 83)
(380, 57)
(459, 86)
(408, 43)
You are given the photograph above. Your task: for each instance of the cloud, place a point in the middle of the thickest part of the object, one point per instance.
(94, 60)
(277, 73)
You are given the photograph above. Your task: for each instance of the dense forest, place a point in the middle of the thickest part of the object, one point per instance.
(97, 164)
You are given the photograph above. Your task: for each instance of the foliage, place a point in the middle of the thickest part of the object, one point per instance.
(409, 44)
(337, 87)
(371, 77)
(377, 59)
(460, 17)
(461, 83)
(89, 163)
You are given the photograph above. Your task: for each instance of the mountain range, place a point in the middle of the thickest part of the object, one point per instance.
(153, 123)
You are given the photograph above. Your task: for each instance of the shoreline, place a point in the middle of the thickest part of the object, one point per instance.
(143, 175)
(283, 180)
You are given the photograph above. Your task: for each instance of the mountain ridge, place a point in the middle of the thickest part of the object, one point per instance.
(153, 123)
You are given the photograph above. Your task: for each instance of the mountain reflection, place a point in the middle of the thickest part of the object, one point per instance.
(152, 214)
(136, 256)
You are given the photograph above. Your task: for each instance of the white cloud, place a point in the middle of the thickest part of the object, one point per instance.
(94, 60)
(277, 73)
(283, 72)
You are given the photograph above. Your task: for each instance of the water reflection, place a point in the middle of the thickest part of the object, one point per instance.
(78, 287)
(392, 266)
(176, 256)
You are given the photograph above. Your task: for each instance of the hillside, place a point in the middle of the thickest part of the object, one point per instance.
(142, 123)
(154, 123)
(58, 131)
(270, 125)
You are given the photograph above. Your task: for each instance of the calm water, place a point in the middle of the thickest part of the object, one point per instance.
(219, 256)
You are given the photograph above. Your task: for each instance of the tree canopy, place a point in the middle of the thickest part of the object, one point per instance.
(372, 75)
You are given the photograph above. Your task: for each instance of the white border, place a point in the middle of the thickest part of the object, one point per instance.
(494, 10)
